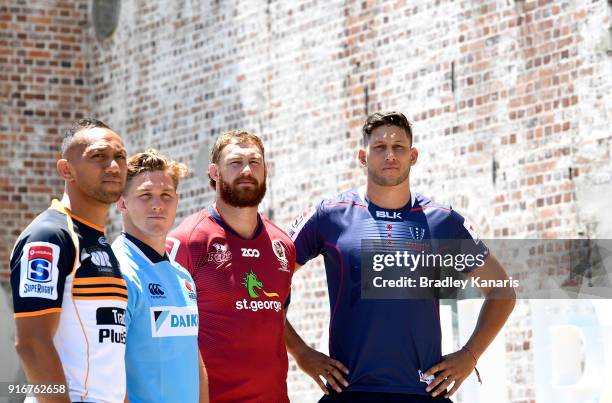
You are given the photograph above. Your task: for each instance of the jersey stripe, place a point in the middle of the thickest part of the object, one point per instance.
(37, 313)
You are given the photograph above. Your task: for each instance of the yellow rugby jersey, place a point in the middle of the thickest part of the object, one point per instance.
(62, 263)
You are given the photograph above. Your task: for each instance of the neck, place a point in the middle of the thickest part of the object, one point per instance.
(85, 207)
(243, 220)
(389, 197)
(157, 243)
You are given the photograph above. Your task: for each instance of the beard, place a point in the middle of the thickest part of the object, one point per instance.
(388, 181)
(235, 196)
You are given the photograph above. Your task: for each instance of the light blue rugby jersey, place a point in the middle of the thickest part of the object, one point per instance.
(161, 357)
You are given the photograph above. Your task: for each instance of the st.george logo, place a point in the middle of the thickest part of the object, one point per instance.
(252, 283)
(40, 259)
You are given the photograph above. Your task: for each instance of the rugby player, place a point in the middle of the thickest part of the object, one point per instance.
(242, 265)
(68, 294)
(162, 360)
(392, 347)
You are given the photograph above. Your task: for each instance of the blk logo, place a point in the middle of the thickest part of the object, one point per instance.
(387, 214)
(156, 290)
(247, 252)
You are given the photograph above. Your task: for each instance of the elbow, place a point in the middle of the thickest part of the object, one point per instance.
(29, 348)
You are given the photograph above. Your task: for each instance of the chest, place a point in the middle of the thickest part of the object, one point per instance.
(234, 270)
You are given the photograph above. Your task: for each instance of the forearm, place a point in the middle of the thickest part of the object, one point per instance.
(492, 317)
(294, 343)
(42, 365)
(204, 398)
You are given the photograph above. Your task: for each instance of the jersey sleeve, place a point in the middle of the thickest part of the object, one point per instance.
(466, 243)
(40, 262)
(304, 232)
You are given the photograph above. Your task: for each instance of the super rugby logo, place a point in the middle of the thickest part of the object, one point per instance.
(39, 272)
(40, 259)
(220, 254)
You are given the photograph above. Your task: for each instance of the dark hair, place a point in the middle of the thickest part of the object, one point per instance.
(385, 119)
(85, 123)
(151, 161)
(232, 137)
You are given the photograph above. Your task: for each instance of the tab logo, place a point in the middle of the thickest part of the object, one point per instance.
(168, 321)
(390, 215)
(39, 272)
(246, 252)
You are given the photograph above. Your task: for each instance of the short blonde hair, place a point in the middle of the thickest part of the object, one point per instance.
(232, 137)
(150, 161)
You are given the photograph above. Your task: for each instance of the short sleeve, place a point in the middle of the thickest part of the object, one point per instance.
(40, 262)
(304, 232)
(467, 243)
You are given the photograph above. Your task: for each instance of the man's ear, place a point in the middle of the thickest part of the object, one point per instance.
(121, 207)
(64, 169)
(414, 156)
(362, 157)
(213, 172)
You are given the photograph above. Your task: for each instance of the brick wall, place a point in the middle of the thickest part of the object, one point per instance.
(511, 103)
(43, 87)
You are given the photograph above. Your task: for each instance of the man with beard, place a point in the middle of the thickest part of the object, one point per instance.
(242, 265)
(69, 296)
(392, 347)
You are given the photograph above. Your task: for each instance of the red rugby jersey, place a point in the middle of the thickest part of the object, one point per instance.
(242, 286)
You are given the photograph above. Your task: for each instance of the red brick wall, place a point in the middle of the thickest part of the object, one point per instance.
(43, 87)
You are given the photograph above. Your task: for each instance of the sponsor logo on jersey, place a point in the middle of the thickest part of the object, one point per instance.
(220, 254)
(189, 289)
(248, 252)
(102, 241)
(417, 233)
(168, 321)
(252, 284)
(39, 270)
(99, 258)
(172, 246)
(297, 224)
(281, 254)
(156, 291)
(112, 322)
(391, 215)
(40, 259)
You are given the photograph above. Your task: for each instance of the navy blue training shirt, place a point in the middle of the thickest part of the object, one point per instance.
(384, 343)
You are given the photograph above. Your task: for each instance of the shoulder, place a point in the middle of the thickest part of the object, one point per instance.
(48, 229)
(274, 231)
(352, 198)
(194, 227)
(437, 213)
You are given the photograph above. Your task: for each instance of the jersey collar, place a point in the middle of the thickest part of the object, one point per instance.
(217, 217)
(148, 251)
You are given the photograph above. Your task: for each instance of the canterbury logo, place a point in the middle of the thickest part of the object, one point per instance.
(246, 252)
(155, 289)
